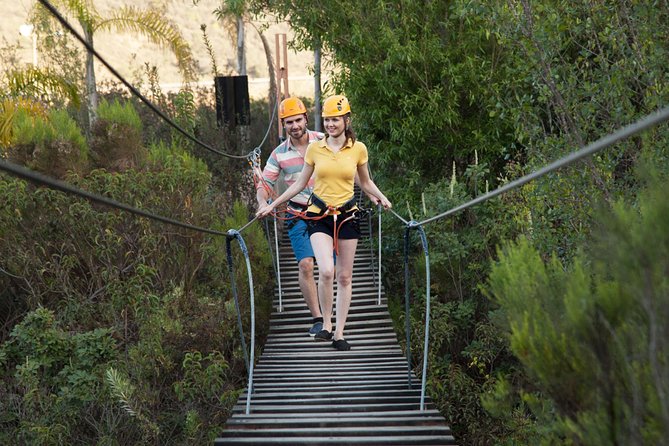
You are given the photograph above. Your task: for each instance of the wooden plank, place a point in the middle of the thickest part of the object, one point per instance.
(406, 440)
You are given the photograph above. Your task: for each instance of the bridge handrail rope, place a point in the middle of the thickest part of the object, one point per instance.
(130, 87)
(250, 356)
(642, 124)
(278, 265)
(38, 178)
(649, 121)
(269, 245)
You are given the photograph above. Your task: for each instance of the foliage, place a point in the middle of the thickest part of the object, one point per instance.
(484, 92)
(40, 83)
(53, 144)
(593, 334)
(467, 349)
(123, 114)
(152, 24)
(50, 375)
(8, 110)
(162, 294)
(116, 137)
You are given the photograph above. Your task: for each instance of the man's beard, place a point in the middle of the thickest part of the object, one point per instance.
(301, 133)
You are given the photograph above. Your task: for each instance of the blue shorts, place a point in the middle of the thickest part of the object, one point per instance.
(299, 239)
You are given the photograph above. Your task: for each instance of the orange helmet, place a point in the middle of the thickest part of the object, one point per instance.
(336, 105)
(290, 107)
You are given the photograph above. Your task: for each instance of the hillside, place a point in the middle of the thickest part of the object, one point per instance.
(128, 52)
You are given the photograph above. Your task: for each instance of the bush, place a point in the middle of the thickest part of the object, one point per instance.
(593, 334)
(53, 145)
(50, 379)
(116, 142)
(162, 293)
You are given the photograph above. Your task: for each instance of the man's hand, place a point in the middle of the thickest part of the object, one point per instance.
(264, 210)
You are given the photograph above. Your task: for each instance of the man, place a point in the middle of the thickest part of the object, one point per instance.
(288, 157)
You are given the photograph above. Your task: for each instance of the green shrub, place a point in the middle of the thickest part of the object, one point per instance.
(162, 291)
(116, 137)
(50, 378)
(593, 335)
(121, 114)
(53, 145)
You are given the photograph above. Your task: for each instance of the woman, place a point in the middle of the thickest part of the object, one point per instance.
(334, 161)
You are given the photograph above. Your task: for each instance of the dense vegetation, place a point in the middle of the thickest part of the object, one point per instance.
(559, 341)
(117, 329)
(550, 304)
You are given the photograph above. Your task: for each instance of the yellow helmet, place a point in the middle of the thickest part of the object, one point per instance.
(336, 105)
(290, 107)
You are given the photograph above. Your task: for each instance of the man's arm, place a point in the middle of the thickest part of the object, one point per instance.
(270, 175)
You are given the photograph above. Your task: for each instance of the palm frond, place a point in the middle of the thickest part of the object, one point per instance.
(157, 28)
(39, 83)
(83, 10)
(8, 109)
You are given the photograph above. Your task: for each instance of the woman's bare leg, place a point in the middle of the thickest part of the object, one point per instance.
(344, 283)
(321, 243)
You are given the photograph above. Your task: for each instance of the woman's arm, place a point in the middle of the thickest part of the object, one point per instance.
(293, 190)
(368, 187)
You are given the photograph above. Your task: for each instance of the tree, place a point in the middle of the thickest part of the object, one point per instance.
(234, 14)
(150, 23)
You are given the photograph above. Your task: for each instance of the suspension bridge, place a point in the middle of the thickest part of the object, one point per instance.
(304, 392)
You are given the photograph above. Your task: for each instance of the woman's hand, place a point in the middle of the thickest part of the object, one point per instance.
(383, 201)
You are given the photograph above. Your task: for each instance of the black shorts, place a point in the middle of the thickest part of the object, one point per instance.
(348, 230)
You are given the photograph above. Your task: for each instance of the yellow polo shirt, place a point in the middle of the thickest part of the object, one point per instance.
(334, 173)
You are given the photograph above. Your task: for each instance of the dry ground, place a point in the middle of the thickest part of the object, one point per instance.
(127, 52)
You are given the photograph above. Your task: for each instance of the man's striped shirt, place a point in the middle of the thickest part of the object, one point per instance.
(288, 159)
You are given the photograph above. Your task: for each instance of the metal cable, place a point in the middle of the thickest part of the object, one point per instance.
(407, 313)
(426, 342)
(250, 357)
(632, 129)
(278, 264)
(378, 210)
(51, 183)
(248, 224)
(269, 245)
(269, 127)
(132, 89)
(399, 216)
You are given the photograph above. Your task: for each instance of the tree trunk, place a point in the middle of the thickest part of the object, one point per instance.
(271, 101)
(91, 88)
(241, 55)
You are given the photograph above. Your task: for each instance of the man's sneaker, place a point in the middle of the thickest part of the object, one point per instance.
(318, 326)
(323, 335)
